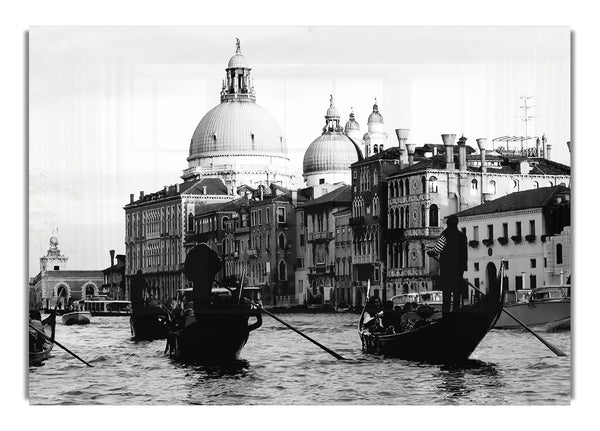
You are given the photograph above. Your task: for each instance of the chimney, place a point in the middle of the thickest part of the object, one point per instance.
(112, 257)
(141, 194)
(482, 143)
(402, 135)
(448, 144)
(547, 146)
(131, 198)
(204, 190)
(462, 153)
(411, 153)
(177, 187)
(435, 150)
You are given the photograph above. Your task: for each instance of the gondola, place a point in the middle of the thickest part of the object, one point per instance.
(40, 352)
(450, 338)
(215, 333)
(76, 318)
(149, 322)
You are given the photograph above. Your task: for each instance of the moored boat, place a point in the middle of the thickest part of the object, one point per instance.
(426, 335)
(215, 333)
(547, 306)
(76, 318)
(432, 298)
(101, 306)
(39, 346)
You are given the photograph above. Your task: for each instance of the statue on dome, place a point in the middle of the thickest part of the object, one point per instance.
(237, 45)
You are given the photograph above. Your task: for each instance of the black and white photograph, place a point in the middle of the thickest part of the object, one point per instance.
(300, 215)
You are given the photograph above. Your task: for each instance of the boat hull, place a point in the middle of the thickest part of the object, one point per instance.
(449, 339)
(76, 318)
(536, 314)
(148, 325)
(37, 357)
(212, 336)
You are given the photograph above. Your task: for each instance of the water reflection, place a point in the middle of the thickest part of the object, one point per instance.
(457, 380)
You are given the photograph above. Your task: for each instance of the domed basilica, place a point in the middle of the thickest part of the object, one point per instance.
(238, 141)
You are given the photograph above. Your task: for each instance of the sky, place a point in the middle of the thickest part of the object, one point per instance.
(112, 109)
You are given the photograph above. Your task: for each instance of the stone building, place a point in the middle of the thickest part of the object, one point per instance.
(56, 281)
(114, 277)
(319, 254)
(345, 292)
(156, 226)
(421, 194)
(529, 230)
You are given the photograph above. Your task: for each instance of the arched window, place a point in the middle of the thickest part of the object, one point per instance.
(433, 216)
(492, 188)
(433, 186)
(375, 149)
(401, 188)
(223, 221)
(89, 290)
(406, 187)
(423, 185)
(559, 256)
(474, 186)
(281, 241)
(536, 185)
(190, 225)
(423, 213)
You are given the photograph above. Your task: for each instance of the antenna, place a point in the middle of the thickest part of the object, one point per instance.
(526, 117)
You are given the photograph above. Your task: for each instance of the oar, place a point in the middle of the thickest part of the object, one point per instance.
(549, 345)
(59, 345)
(331, 352)
(241, 285)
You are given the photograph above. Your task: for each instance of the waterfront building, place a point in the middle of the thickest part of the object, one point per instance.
(345, 292)
(238, 141)
(56, 280)
(529, 230)
(260, 238)
(114, 277)
(424, 192)
(327, 158)
(155, 229)
(369, 219)
(319, 243)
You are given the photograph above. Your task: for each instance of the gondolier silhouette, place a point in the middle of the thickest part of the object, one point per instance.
(201, 266)
(452, 249)
(138, 287)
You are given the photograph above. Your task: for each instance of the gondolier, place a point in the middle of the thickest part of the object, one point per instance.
(201, 266)
(452, 249)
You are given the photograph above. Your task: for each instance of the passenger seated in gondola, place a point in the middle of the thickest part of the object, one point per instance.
(390, 319)
(36, 340)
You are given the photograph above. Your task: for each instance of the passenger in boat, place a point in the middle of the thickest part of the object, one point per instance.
(36, 340)
(452, 249)
(391, 318)
(201, 266)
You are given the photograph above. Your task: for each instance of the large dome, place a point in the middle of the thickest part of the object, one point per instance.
(331, 152)
(237, 127)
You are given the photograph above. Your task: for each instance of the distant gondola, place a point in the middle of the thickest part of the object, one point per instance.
(216, 333)
(76, 318)
(149, 322)
(40, 350)
(450, 338)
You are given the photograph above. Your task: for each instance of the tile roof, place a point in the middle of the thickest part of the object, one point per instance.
(342, 195)
(536, 198)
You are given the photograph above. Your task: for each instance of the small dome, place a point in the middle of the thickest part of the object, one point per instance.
(352, 124)
(238, 61)
(332, 111)
(53, 240)
(375, 116)
(330, 152)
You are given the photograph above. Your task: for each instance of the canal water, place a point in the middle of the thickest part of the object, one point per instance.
(278, 367)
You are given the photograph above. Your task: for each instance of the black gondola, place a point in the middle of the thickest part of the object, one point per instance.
(215, 333)
(39, 346)
(149, 321)
(450, 338)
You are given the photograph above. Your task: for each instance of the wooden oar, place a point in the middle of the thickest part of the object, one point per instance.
(549, 345)
(241, 285)
(331, 352)
(59, 345)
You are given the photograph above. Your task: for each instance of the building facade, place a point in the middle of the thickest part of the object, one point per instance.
(528, 230)
(55, 282)
(114, 277)
(423, 193)
(345, 292)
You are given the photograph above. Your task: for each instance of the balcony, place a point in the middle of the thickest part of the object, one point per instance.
(407, 272)
(423, 232)
(503, 240)
(516, 239)
(365, 259)
(488, 242)
(474, 243)
(530, 238)
(252, 252)
(320, 236)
